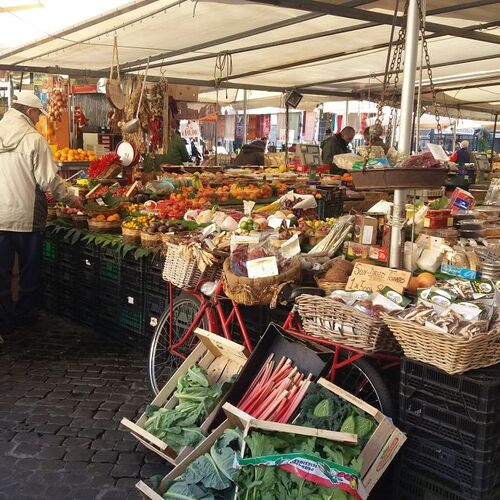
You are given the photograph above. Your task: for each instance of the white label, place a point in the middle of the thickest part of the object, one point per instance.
(100, 202)
(131, 300)
(262, 268)
(438, 152)
(291, 247)
(367, 235)
(153, 322)
(244, 239)
(88, 263)
(248, 207)
(275, 222)
(436, 243)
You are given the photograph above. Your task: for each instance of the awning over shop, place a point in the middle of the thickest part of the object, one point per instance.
(322, 48)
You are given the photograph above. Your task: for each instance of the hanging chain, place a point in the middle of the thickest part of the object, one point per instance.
(429, 71)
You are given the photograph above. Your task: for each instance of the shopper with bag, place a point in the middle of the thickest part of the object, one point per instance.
(27, 172)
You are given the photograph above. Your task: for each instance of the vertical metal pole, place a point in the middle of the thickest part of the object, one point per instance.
(346, 122)
(287, 127)
(454, 137)
(404, 143)
(493, 141)
(245, 104)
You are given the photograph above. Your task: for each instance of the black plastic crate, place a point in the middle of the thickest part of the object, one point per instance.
(331, 203)
(416, 415)
(66, 252)
(475, 394)
(415, 483)
(131, 309)
(154, 307)
(109, 264)
(49, 250)
(462, 466)
(132, 276)
(153, 281)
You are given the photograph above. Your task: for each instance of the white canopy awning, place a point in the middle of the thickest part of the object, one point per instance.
(322, 48)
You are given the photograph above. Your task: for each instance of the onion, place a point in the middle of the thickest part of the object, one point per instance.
(425, 280)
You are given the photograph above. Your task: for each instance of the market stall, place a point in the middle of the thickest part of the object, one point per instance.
(277, 301)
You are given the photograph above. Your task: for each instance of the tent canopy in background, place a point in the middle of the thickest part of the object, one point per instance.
(322, 48)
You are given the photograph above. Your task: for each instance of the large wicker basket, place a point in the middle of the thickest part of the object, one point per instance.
(257, 291)
(335, 321)
(104, 226)
(131, 235)
(183, 271)
(150, 240)
(448, 352)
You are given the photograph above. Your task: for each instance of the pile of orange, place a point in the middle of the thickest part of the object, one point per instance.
(67, 154)
(250, 191)
(109, 218)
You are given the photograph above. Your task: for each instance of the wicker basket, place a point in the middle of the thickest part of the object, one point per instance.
(104, 226)
(131, 235)
(61, 214)
(51, 213)
(335, 321)
(150, 240)
(257, 291)
(80, 221)
(447, 352)
(183, 272)
(329, 286)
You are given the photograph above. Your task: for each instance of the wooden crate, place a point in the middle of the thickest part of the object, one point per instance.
(222, 359)
(204, 447)
(237, 418)
(382, 446)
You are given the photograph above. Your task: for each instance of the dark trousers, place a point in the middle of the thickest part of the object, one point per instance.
(28, 247)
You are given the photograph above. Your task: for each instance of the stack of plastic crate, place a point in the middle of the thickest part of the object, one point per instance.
(453, 428)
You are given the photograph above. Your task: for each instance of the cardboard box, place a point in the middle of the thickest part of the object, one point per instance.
(365, 230)
(376, 253)
(222, 359)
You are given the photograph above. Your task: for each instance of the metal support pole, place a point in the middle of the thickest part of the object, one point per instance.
(454, 137)
(346, 122)
(493, 141)
(404, 143)
(287, 128)
(245, 104)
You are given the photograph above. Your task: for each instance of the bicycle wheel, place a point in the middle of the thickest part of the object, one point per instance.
(163, 359)
(361, 379)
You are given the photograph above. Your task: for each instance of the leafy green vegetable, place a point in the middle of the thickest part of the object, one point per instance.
(179, 426)
(271, 483)
(349, 425)
(210, 475)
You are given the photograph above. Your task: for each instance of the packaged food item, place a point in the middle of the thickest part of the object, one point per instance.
(346, 160)
(461, 200)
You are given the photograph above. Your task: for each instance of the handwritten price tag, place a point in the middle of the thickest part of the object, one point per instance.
(375, 278)
(262, 268)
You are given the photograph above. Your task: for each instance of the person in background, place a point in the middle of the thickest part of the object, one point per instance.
(195, 153)
(177, 152)
(372, 136)
(462, 154)
(251, 154)
(27, 172)
(335, 145)
(221, 150)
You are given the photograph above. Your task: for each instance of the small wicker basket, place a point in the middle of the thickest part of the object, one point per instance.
(329, 286)
(183, 271)
(51, 213)
(61, 214)
(80, 221)
(104, 226)
(131, 235)
(335, 321)
(448, 352)
(150, 240)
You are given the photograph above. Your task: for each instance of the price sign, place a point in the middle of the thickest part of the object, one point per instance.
(375, 278)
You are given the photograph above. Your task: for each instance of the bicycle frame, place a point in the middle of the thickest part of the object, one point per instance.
(218, 322)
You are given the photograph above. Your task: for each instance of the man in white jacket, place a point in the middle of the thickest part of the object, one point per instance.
(27, 172)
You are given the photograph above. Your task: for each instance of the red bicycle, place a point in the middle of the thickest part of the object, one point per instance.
(206, 306)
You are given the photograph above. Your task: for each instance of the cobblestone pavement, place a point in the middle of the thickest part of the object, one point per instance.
(63, 392)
